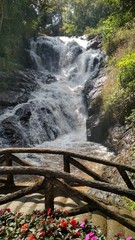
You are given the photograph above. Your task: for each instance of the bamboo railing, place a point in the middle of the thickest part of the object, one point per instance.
(51, 179)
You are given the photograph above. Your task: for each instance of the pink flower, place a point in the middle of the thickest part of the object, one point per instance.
(129, 238)
(87, 237)
(91, 234)
(94, 238)
(82, 224)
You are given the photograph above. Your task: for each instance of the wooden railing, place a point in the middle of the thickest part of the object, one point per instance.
(50, 179)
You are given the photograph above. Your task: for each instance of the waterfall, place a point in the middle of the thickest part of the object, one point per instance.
(54, 114)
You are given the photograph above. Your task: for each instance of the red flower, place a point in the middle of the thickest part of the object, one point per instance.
(49, 232)
(50, 220)
(24, 227)
(48, 211)
(39, 212)
(73, 222)
(31, 237)
(64, 224)
(57, 210)
(65, 212)
(77, 234)
(20, 214)
(8, 210)
(32, 216)
(42, 234)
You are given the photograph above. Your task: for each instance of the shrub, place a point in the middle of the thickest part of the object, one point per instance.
(108, 27)
(43, 225)
(131, 118)
(126, 74)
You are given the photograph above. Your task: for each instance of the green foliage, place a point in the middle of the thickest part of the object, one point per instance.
(17, 21)
(45, 225)
(115, 105)
(130, 204)
(91, 31)
(131, 119)
(84, 14)
(126, 75)
(70, 29)
(108, 27)
(122, 5)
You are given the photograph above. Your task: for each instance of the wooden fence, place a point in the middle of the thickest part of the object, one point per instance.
(51, 179)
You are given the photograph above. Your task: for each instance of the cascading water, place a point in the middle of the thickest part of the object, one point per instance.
(55, 113)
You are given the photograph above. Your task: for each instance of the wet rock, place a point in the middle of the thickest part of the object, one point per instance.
(16, 87)
(120, 137)
(94, 44)
(48, 53)
(73, 51)
(48, 79)
(97, 127)
(10, 131)
(98, 122)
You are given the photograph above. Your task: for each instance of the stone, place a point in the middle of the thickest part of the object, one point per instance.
(16, 87)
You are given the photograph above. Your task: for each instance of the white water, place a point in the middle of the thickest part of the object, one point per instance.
(57, 107)
(71, 80)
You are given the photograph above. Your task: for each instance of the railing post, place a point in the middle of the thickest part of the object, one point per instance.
(49, 193)
(66, 158)
(10, 178)
(126, 178)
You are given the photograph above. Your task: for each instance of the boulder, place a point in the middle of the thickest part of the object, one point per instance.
(16, 87)
(94, 44)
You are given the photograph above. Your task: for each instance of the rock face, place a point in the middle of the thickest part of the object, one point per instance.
(120, 138)
(18, 113)
(94, 44)
(16, 87)
(97, 123)
(45, 54)
(101, 126)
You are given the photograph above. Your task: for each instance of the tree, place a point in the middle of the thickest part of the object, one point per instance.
(81, 14)
(16, 23)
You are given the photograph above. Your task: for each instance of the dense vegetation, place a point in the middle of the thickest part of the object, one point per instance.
(114, 20)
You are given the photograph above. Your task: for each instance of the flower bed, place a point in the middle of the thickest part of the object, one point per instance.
(47, 225)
